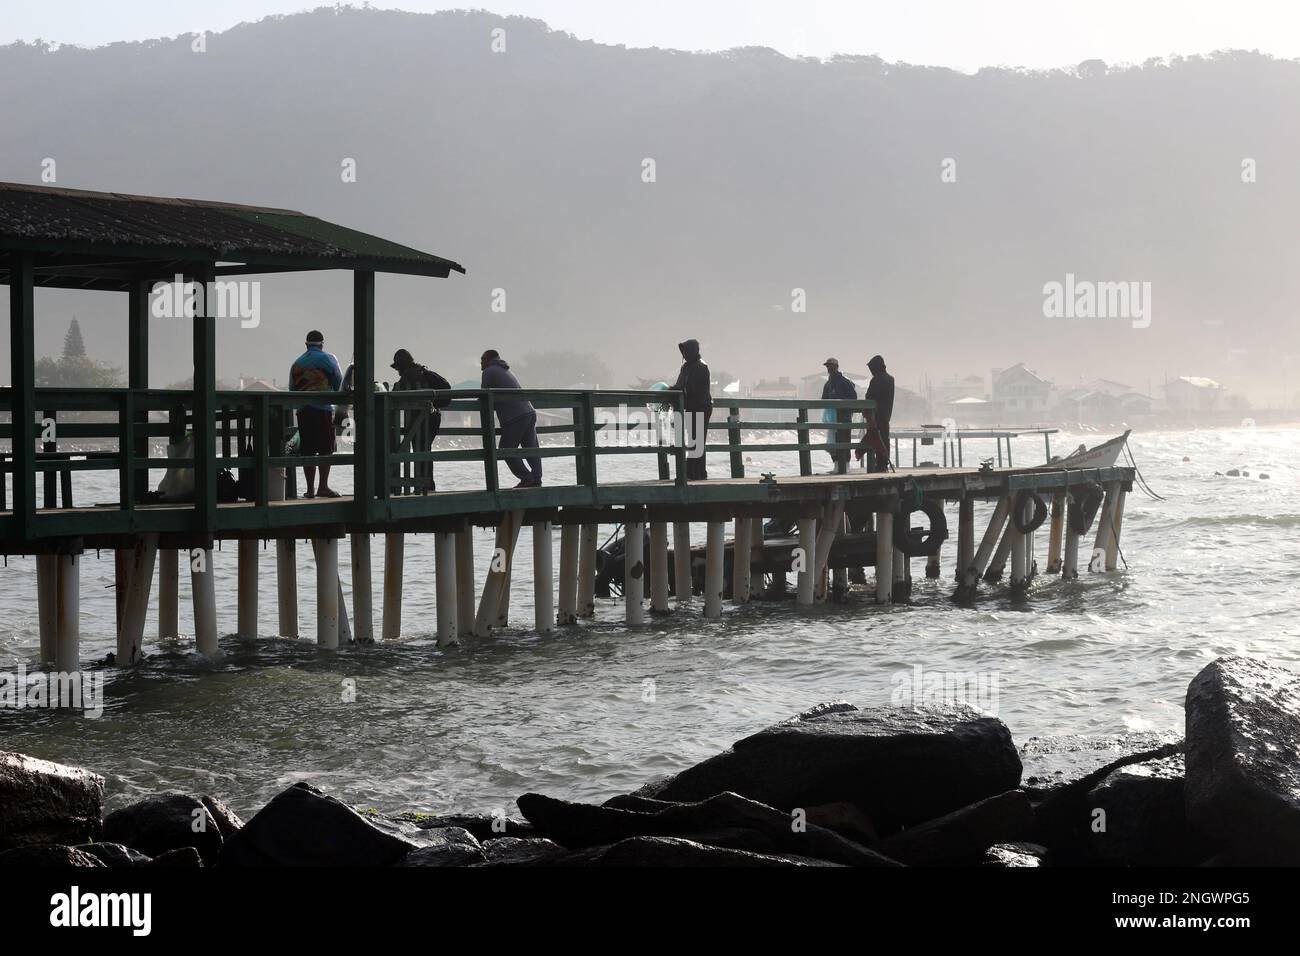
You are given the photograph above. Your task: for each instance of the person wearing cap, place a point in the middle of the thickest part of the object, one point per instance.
(839, 387)
(517, 418)
(413, 376)
(316, 371)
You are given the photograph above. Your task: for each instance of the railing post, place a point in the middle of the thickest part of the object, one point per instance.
(125, 449)
(51, 477)
(587, 473)
(487, 425)
(679, 446)
(364, 430)
(733, 441)
(805, 453)
(261, 444)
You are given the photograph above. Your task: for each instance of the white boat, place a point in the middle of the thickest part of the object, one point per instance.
(1104, 455)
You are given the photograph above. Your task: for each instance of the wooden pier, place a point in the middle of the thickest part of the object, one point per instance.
(120, 244)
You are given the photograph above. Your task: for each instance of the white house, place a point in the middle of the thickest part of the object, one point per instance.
(1191, 393)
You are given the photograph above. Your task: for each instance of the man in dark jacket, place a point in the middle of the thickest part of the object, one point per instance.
(839, 387)
(693, 383)
(421, 423)
(880, 391)
(518, 420)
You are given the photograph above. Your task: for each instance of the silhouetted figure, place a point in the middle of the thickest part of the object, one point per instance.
(880, 391)
(693, 383)
(518, 420)
(421, 423)
(316, 371)
(839, 387)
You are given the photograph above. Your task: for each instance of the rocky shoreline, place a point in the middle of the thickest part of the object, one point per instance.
(833, 786)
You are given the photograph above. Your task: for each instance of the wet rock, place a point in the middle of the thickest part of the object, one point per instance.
(302, 826)
(47, 803)
(676, 851)
(1136, 817)
(901, 765)
(1054, 761)
(578, 825)
(185, 857)
(1243, 757)
(846, 819)
(446, 846)
(484, 826)
(963, 835)
(517, 851)
(166, 821)
(49, 855)
(113, 854)
(227, 820)
(1233, 473)
(1015, 855)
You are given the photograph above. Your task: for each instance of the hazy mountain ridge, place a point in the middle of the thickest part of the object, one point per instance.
(772, 174)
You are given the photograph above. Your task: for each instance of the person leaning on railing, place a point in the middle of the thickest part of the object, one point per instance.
(517, 417)
(412, 376)
(316, 370)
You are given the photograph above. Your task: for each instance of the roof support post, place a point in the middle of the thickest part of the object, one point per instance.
(366, 427)
(138, 374)
(205, 404)
(22, 364)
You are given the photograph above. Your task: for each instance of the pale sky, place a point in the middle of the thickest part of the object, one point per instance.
(963, 34)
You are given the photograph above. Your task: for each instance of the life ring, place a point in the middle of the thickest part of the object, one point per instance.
(1084, 507)
(932, 540)
(1018, 511)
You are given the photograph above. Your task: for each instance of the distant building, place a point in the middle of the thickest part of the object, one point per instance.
(1190, 393)
(778, 388)
(1021, 393)
(955, 388)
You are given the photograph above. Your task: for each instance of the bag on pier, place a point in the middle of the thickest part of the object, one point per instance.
(178, 483)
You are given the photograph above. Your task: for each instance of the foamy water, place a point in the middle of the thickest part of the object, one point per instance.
(598, 709)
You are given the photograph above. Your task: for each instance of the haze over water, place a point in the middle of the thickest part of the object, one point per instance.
(1210, 572)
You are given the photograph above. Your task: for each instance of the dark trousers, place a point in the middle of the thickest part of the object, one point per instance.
(696, 468)
(841, 456)
(879, 463)
(521, 432)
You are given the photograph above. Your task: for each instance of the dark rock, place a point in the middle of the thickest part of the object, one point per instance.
(517, 851)
(578, 825)
(1015, 855)
(113, 854)
(303, 827)
(675, 851)
(1243, 757)
(446, 846)
(227, 820)
(49, 855)
(166, 821)
(963, 835)
(484, 826)
(846, 819)
(1058, 760)
(901, 765)
(1233, 473)
(1142, 820)
(47, 803)
(634, 801)
(183, 856)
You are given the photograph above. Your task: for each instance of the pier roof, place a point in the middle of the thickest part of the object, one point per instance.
(97, 240)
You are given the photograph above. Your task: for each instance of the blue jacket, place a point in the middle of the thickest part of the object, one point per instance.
(316, 371)
(498, 375)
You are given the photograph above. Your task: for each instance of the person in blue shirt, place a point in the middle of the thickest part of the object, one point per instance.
(316, 371)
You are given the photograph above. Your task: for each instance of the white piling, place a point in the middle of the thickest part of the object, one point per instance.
(1105, 519)
(659, 567)
(1019, 551)
(494, 605)
(503, 595)
(713, 565)
(587, 549)
(363, 593)
(634, 572)
(327, 592)
(1056, 533)
(345, 626)
(543, 578)
(884, 557)
(246, 628)
(67, 611)
(567, 601)
(825, 538)
(203, 592)
(1117, 525)
(465, 592)
(130, 639)
(286, 581)
(740, 562)
(394, 564)
(47, 600)
(683, 582)
(999, 562)
(992, 534)
(807, 561)
(169, 594)
(444, 559)
(1070, 560)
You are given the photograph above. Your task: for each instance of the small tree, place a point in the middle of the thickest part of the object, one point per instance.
(74, 346)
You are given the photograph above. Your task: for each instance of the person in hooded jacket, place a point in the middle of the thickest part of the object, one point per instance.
(881, 391)
(693, 382)
(412, 376)
(517, 418)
